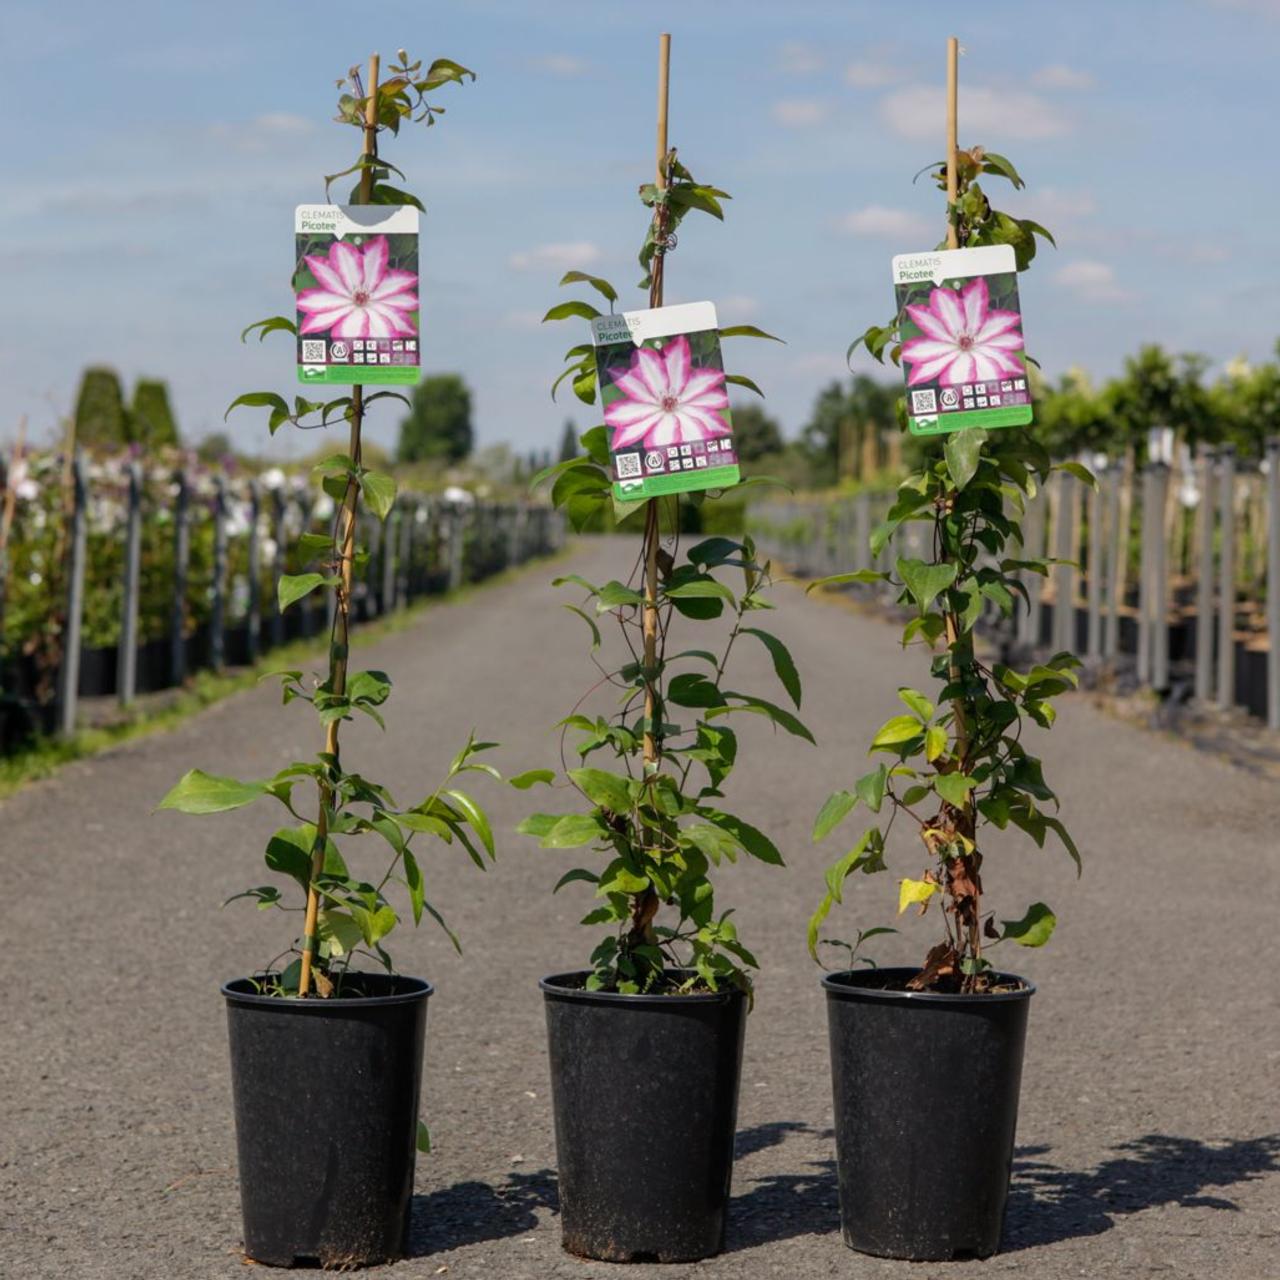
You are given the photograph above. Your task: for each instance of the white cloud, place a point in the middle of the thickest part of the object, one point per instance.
(880, 222)
(800, 113)
(575, 253)
(563, 65)
(1060, 76)
(919, 112)
(262, 132)
(1052, 204)
(796, 58)
(1090, 280)
(862, 74)
(737, 307)
(522, 320)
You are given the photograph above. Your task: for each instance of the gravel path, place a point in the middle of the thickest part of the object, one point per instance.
(1149, 1142)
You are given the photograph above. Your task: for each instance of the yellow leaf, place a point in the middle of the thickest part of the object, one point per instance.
(911, 891)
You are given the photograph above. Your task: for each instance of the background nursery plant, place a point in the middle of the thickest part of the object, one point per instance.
(651, 774)
(345, 913)
(955, 762)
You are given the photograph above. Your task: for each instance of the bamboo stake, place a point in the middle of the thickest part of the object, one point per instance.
(346, 527)
(953, 179)
(651, 530)
(645, 907)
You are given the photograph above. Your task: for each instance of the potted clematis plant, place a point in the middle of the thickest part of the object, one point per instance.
(646, 1039)
(926, 1063)
(326, 1057)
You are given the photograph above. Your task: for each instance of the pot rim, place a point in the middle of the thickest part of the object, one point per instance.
(837, 990)
(420, 989)
(552, 986)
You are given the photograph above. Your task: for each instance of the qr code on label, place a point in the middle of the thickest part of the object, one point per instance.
(313, 351)
(628, 466)
(924, 402)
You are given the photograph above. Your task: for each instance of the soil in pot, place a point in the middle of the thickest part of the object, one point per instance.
(326, 1104)
(645, 1095)
(926, 1106)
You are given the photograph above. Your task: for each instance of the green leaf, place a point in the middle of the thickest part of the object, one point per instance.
(925, 581)
(423, 1139)
(747, 331)
(753, 840)
(417, 889)
(476, 817)
(741, 380)
(784, 719)
(600, 285)
(567, 831)
(699, 589)
(918, 703)
(379, 492)
(278, 405)
(270, 325)
(954, 788)
(783, 664)
(1034, 929)
(963, 452)
(872, 786)
(835, 809)
(289, 853)
(1079, 470)
(614, 595)
(839, 579)
(293, 586)
(576, 307)
(531, 777)
(896, 730)
(605, 789)
(200, 792)
(340, 930)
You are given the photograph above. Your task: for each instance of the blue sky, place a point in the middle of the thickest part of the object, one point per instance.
(160, 148)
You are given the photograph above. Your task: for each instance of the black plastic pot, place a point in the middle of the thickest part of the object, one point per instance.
(926, 1105)
(326, 1103)
(645, 1095)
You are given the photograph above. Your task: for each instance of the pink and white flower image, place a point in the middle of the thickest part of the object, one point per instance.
(964, 339)
(358, 297)
(665, 400)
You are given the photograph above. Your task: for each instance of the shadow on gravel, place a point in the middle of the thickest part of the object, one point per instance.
(782, 1206)
(473, 1212)
(1048, 1204)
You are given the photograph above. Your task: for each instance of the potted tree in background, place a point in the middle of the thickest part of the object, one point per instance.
(326, 1059)
(926, 1062)
(646, 1040)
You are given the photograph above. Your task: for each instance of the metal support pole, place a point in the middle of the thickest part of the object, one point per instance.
(404, 554)
(388, 565)
(1144, 580)
(1094, 581)
(181, 562)
(1114, 550)
(69, 672)
(277, 566)
(1227, 578)
(127, 653)
(218, 614)
(455, 548)
(1064, 575)
(1159, 591)
(1204, 582)
(1273, 583)
(254, 620)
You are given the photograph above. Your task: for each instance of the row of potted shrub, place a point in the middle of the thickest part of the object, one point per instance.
(327, 1058)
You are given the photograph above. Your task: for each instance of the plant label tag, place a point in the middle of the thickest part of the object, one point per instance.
(961, 331)
(355, 282)
(666, 403)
